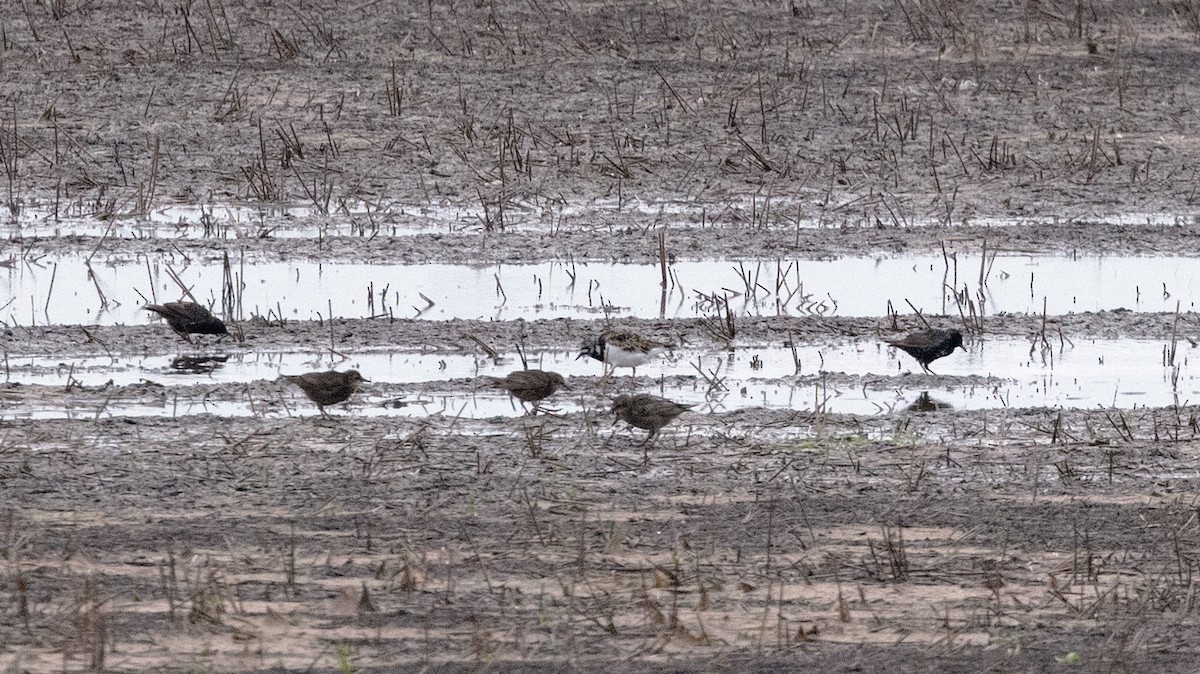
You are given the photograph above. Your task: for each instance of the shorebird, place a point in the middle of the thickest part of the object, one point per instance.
(929, 345)
(189, 318)
(621, 348)
(647, 412)
(530, 385)
(327, 388)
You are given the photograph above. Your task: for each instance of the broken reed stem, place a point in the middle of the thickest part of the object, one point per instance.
(332, 344)
(500, 290)
(795, 353)
(187, 292)
(662, 255)
(1175, 334)
(429, 304)
(242, 285)
(152, 187)
(918, 313)
(93, 340)
(1043, 332)
(104, 405)
(92, 277)
(50, 292)
(227, 287)
(491, 353)
(712, 378)
(11, 159)
(103, 237)
(150, 277)
(983, 265)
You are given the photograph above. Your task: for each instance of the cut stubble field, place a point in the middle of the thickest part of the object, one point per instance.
(919, 538)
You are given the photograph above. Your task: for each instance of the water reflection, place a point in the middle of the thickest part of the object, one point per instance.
(863, 377)
(198, 364)
(111, 291)
(927, 403)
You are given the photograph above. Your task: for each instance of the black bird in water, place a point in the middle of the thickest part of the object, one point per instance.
(189, 318)
(531, 385)
(929, 345)
(327, 388)
(647, 412)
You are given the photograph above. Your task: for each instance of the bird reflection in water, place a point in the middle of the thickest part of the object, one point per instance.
(198, 364)
(925, 403)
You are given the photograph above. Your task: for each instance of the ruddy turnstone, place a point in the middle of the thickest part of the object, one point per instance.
(621, 348)
(327, 388)
(189, 318)
(929, 345)
(531, 385)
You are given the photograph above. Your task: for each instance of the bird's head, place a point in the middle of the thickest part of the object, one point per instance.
(956, 340)
(593, 348)
(620, 407)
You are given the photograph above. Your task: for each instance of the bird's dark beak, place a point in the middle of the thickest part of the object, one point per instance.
(567, 386)
(581, 354)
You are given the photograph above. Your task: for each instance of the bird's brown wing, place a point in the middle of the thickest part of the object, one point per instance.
(653, 407)
(631, 341)
(527, 379)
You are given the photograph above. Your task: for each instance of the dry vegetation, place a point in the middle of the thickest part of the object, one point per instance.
(1006, 540)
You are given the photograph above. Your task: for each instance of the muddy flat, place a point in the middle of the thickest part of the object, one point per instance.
(439, 194)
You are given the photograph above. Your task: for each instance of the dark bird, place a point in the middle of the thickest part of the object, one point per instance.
(189, 318)
(621, 348)
(531, 385)
(647, 412)
(929, 345)
(327, 388)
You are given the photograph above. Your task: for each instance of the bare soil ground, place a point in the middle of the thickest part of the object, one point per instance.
(997, 540)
